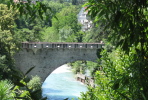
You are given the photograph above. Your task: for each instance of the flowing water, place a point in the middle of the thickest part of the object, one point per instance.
(61, 84)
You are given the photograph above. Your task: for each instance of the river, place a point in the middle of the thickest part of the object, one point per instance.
(61, 84)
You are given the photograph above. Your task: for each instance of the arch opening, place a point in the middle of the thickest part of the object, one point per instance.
(62, 82)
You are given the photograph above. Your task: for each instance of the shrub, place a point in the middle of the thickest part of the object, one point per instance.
(35, 85)
(5, 90)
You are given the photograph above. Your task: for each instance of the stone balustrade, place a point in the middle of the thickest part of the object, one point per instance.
(40, 45)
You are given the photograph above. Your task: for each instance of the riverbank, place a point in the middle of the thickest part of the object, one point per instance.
(85, 79)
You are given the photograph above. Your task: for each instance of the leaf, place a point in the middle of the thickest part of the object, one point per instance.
(25, 93)
(143, 96)
(29, 70)
(23, 82)
(56, 17)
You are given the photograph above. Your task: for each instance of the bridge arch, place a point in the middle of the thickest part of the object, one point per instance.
(46, 57)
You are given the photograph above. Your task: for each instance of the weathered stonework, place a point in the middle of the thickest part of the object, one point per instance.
(46, 60)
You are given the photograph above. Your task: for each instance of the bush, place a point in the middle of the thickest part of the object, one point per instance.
(120, 78)
(35, 85)
(5, 90)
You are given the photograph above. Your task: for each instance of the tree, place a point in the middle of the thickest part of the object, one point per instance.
(29, 30)
(67, 27)
(8, 41)
(126, 19)
(9, 44)
(127, 24)
(29, 8)
(51, 35)
(95, 34)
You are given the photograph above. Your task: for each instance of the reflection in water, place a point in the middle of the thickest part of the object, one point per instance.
(61, 84)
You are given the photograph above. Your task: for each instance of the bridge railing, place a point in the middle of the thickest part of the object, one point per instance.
(39, 45)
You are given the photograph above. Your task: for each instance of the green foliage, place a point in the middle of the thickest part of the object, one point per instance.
(74, 2)
(26, 88)
(89, 95)
(84, 66)
(126, 19)
(34, 83)
(32, 9)
(6, 92)
(3, 67)
(31, 35)
(124, 69)
(119, 79)
(79, 36)
(9, 44)
(6, 29)
(8, 41)
(92, 67)
(96, 34)
(50, 35)
(27, 30)
(6, 17)
(55, 6)
(78, 67)
(66, 28)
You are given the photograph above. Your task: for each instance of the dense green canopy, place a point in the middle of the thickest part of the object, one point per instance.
(124, 74)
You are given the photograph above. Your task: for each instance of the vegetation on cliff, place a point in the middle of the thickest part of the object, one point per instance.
(124, 73)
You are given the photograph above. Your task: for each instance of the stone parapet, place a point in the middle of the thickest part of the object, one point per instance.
(40, 45)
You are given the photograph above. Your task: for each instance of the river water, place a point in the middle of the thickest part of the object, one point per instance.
(61, 84)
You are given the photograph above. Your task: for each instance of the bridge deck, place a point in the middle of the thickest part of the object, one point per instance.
(39, 45)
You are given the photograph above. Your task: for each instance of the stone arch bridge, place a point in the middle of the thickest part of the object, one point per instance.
(46, 57)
